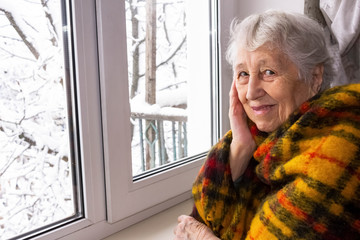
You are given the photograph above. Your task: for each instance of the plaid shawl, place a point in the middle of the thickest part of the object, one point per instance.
(302, 182)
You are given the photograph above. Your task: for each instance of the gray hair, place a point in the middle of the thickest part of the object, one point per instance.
(300, 38)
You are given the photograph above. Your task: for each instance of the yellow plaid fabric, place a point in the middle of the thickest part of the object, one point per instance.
(303, 180)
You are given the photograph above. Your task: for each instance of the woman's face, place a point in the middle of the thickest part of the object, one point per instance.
(268, 86)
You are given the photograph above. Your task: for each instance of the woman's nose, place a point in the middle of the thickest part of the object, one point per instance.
(254, 88)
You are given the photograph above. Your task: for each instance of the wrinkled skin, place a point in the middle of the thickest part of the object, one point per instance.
(190, 229)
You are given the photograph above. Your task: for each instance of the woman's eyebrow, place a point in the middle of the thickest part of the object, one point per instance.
(277, 63)
(264, 61)
(240, 65)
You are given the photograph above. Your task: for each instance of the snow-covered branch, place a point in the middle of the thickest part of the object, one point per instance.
(50, 18)
(22, 35)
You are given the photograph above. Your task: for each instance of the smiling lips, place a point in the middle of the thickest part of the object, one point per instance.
(263, 109)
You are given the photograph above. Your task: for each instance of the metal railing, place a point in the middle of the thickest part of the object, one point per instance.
(163, 138)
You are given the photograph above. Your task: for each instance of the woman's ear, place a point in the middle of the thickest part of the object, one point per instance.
(317, 77)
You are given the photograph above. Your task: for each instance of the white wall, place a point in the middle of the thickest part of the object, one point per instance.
(229, 9)
(246, 7)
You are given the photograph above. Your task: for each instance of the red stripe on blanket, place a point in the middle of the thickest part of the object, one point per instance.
(318, 227)
(344, 115)
(211, 163)
(335, 161)
(253, 130)
(329, 159)
(213, 166)
(304, 107)
(356, 225)
(284, 201)
(322, 112)
(321, 228)
(267, 163)
(263, 149)
(206, 182)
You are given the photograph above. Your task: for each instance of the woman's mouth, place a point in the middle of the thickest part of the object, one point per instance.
(263, 109)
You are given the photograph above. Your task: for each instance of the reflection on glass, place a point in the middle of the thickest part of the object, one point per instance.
(36, 164)
(167, 95)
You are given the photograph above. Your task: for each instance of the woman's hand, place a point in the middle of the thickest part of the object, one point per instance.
(190, 229)
(243, 144)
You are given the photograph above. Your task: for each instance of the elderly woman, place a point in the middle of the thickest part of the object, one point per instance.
(290, 166)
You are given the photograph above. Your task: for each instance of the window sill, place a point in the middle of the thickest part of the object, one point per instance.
(159, 226)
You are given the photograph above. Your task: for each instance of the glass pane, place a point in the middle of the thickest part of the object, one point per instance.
(37, 186)
(169, 80)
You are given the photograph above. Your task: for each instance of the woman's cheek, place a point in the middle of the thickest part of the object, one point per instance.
(241, 93)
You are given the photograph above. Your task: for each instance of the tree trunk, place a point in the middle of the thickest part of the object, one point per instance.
(135, 54)
(150, 78)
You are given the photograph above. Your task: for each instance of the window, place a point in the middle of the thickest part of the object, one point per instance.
(177, 57)
(39, 184)
(100, 115)
(170, 101)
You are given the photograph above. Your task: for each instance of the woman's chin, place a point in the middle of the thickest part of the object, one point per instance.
(266, 126)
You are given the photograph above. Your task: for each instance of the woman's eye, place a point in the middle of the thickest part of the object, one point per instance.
(242, 74)
(269, 72)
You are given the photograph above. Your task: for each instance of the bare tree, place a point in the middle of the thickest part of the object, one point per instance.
(150, 78)
(34, 131)
(136, 43)
(153, 23)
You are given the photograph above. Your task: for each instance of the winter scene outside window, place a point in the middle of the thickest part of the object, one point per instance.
(169, 82)
(37, 186)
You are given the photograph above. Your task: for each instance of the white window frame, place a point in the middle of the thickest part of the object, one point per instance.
(112, 201)
(124, 196)
(89, 119)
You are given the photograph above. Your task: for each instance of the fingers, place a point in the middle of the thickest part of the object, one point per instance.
(179, 230)
(235, 104)
(181, 225)
(186, 228)
(233, 94)
(183, 218)
(236, 113)
(190, 229)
